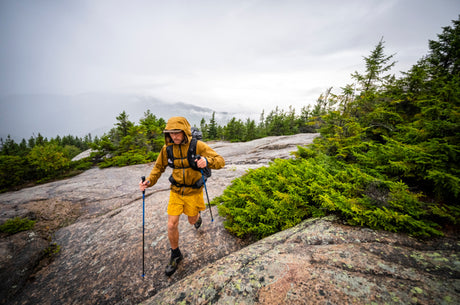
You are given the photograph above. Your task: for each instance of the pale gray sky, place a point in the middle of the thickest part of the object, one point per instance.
(220, 54)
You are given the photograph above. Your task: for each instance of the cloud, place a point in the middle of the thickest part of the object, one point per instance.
(219, 53)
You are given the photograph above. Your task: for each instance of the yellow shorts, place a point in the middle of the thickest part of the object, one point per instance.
(189, 205)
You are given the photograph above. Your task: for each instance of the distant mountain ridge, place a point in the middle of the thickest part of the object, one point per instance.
(23, 116)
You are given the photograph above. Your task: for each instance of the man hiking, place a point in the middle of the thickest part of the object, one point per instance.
(186, 195)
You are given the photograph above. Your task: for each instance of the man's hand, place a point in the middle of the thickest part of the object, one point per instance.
(143, 185)
(201, 163)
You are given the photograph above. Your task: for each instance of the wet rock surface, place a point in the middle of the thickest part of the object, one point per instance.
(96, 220)
(322, 261)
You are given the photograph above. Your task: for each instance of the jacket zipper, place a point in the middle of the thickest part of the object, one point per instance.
(183, 169)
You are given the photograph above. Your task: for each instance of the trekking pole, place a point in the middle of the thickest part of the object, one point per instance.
(206, 189)
(143, 226)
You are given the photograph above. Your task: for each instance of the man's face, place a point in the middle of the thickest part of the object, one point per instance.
(177, 137)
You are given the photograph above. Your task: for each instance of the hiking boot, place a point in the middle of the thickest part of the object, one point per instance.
(173, 263)
(198, 223)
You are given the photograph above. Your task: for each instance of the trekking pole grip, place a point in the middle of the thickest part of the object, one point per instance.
(143, 180)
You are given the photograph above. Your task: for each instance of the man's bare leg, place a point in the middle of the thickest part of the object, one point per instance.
(173, 231)
(193, 219)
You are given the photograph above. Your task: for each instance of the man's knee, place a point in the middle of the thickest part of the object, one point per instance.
(173, 224)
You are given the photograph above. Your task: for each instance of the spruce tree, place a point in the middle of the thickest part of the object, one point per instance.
(123, 124)
(212, 128)
(377, 64)
(204, 128)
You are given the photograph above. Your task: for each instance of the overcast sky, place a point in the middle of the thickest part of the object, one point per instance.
(219, 54)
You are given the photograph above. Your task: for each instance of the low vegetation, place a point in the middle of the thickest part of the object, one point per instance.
(16, 225)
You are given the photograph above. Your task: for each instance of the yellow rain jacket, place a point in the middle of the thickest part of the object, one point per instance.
(182, 173)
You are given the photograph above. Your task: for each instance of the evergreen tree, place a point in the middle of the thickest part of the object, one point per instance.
(153, 131)
(250, 130)
(303, 121)
(40, 140)
(321, 106)
(31, 142)
(234, 131)
(377, 63)
(204, 128)
(292, 121)
(220, 132)
(88, 139)
(23, 150)
(9, 147)
(212, 129)
(444, 57)
(123, 125)
(262, 127)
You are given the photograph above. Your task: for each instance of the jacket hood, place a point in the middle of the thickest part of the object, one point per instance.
(175, 124)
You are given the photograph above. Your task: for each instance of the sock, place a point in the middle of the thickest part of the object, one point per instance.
(175, 252)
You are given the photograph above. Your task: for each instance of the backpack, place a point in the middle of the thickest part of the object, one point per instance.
(191, 156)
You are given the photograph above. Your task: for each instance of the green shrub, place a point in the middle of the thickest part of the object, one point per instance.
(132, 157)
(81, 164)
(152, 156)
(70, 151)
(48, 160)
(270, 199)
(17, 224)
(274, 198)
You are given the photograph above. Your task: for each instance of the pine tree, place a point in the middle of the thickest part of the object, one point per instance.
(250, 130)
(204, 128)
(444, 55)
(123, 124)
(212, 128)
(377, 63)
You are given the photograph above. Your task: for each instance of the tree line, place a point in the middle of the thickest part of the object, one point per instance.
(40, 159)
(277, 122)
(128, 143)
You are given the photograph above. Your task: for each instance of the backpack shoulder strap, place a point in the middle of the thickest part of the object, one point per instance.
(191, 154)
(170, 155)
(192, 147)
